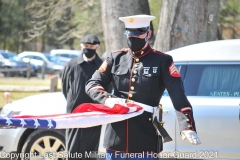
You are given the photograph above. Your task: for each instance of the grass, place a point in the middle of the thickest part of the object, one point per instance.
(15, 96)
(19, 81)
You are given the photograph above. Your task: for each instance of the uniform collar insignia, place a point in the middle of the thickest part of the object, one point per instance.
(141, 53)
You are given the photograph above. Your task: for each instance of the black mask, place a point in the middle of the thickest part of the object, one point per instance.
(89, 53)
(135, 44)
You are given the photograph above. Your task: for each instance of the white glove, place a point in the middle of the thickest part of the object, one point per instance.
(191, 136)
(110, 102)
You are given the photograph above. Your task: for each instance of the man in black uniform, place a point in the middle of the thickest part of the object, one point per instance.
(75, 75)
(140, 74)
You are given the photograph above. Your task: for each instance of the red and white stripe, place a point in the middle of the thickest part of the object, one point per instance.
(173, 71)
(89, 115)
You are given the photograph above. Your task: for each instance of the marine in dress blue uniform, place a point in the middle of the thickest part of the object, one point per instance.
(141, 74)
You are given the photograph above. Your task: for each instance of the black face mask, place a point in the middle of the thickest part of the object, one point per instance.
(135, 44)
(89, 53)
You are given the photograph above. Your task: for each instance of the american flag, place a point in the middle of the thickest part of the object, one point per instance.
(83, 116)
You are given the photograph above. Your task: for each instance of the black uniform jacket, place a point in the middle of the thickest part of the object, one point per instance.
(142, 77)
(75, 75)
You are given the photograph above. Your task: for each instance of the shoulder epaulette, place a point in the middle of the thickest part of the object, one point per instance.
(121, 50)
(158, 52)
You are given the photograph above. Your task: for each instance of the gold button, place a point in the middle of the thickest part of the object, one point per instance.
(133, 79)
(135, 72)
(189, 125)
(137, 60)
(133, 52)
(186, 114)
(149, 75)
(118, 72)
(136, 65)
(132, 88)
(149, 119)
(187, 120)
(142, 52)
(130, 95)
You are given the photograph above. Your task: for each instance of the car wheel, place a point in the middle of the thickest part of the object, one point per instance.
(44, 144)
(7, 74)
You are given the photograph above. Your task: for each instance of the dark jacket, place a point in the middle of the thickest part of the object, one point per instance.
(75, 75)
(142, 76)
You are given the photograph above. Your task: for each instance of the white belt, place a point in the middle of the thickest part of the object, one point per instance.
(146, 107)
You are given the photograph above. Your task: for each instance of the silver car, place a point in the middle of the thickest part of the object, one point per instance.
(53, 65)
(40, 142)
(211, 75)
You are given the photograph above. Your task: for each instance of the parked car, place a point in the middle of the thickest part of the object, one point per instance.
(65, 54)
(31, 140)
(53, 65)
(211, 74)
(10, 60)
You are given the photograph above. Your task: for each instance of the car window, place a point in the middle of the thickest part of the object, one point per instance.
(212, 80)
(73, 56)
(37, 58)
(27, 57)
(54, 59)
(67, 55)
(64, 55)
(9, 55)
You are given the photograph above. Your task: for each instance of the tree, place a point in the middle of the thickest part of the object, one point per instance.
(229, 19)
(0, 17)
(113, 28)
(185, 22)
(11, 24)
(155, 8)
(61, 22)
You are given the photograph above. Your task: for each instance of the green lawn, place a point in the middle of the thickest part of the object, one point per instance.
(18, 81)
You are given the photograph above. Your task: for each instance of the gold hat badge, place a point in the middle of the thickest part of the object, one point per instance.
(131, 20)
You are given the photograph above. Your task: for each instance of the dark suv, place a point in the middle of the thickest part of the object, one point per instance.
(10, 60)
